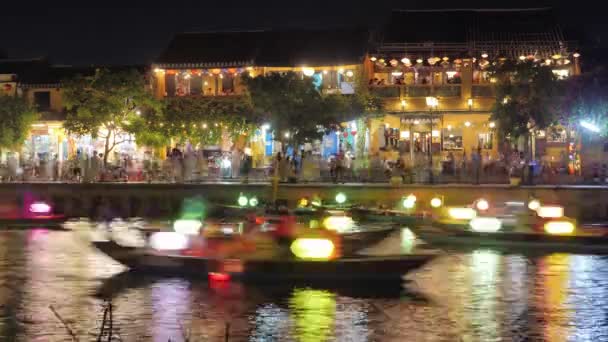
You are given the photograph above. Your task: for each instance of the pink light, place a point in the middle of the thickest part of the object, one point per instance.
(219, 276)
(40, 208)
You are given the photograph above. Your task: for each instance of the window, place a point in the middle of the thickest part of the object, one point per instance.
(485, 140)
(183, 84)
(227, 84)
(452, 139)
(42, 100)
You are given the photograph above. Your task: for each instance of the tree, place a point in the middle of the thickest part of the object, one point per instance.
(526, 98)
(295, 109)
(585, 99)
(108, 105)
(16, 119)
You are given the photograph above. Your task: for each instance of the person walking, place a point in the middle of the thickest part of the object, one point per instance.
(476, 164)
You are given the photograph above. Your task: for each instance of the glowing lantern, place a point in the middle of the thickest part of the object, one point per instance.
(485, 224)
(168, 241)
(482, 204)
(373, 59)
(406, 61)
(550, 211)
(394, 62)
(559, 227)
(308, 71)
(409, 202)
(338, 223)
(216, 71)
(242, 201)
(436, 202)
(534, 204)
(187, 227)
(340, 198)
(308, 248)
(40, 208)
(462, 213)
(303, 202)
(253, 202)
(349, 73)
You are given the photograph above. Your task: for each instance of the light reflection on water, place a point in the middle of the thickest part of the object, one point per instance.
(478, 296)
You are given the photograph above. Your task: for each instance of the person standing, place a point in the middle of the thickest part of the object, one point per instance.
(476, 164)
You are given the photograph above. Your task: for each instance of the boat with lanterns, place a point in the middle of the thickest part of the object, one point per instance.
(513, 227)
(312, 255)
(35, 213)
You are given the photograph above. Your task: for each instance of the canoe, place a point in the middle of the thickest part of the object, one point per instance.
(374, 269)
(513, 241)
(384, 215)
(51, 222)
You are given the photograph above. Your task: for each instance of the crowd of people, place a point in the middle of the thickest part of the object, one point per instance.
(188, 165)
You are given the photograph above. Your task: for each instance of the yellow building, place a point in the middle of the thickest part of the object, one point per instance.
(430, 67)
(213, 64)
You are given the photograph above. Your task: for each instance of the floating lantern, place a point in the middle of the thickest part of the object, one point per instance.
(559, 227)
(168, 241)
(187, 227)
(242, 201)
(482, 204)
(485, 224)
(340, 198)
(534, 204)
(307, 248)
(550, 211)
(436, 202)
(462, 213)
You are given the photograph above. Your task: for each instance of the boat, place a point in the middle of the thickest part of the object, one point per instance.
(37, 214)
(347, 269)
(398, 217)
(516, 242)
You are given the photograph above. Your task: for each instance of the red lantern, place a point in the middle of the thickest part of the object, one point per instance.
(353, 132)
(345, 134)
(8, 87)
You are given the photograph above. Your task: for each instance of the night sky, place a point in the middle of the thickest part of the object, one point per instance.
(113, 32)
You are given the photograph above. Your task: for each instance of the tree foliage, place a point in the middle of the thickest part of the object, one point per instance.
(586, 99)
(108, 105)
(297, 111)
(526, 98)
(202, 120)
(16, 119)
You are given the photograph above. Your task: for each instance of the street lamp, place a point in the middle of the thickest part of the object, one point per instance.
(432, 102)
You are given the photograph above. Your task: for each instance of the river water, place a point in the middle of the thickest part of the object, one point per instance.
(478, 296)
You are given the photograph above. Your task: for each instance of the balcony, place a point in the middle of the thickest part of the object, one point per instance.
(447, 91)
(418, 91)
(485, 90)
(385, 91)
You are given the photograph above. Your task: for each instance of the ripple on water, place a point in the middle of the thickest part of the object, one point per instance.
(478, 296)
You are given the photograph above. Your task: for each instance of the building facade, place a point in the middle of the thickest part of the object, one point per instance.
(431, 68)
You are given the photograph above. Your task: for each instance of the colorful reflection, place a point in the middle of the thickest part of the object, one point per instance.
(313, 312)
(553, 277)
(485, 267)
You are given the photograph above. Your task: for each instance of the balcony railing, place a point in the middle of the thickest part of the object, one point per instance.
(418, 91)
(483, 91)
(447, 91)
(386, 91)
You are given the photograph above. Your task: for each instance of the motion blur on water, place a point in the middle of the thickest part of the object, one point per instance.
(479, 296)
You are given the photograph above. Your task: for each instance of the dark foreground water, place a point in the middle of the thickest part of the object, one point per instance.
(480, 296)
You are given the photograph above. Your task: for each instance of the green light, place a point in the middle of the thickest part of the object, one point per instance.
(242, 200)
(409, 202)
(340, 198)
(253, 201)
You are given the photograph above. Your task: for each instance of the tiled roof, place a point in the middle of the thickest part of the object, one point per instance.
(265, 48)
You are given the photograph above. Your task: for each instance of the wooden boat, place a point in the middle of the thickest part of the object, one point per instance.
(387, 215)
(51, 222)
(513, 241)
(376, 269)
